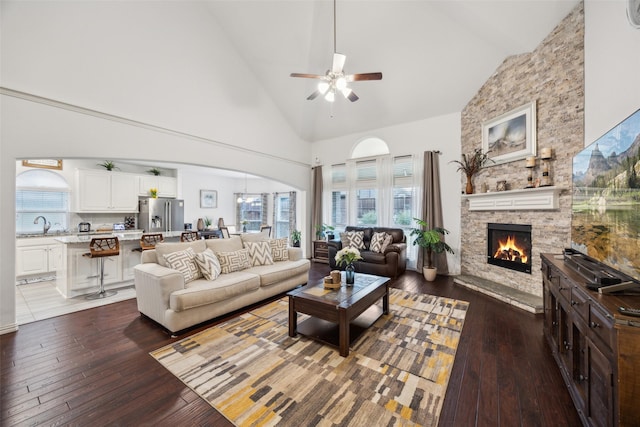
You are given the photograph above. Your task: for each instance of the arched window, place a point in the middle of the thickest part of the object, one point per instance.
(370, 147)
(44, 193)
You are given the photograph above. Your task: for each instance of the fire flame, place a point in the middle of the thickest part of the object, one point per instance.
(510, 251)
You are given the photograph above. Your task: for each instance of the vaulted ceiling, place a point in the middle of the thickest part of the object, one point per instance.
(434, 55)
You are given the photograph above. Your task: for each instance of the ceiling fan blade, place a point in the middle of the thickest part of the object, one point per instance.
(307, 76)
(313, 96)
(364, 76)
(338, 62)
(350, 95)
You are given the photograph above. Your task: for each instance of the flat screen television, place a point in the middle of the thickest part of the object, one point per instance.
(605, 221)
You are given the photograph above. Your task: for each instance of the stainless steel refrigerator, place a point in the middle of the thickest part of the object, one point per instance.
(160, 215)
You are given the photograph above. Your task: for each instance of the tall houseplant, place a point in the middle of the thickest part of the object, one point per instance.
(471, 164)
(431, 239)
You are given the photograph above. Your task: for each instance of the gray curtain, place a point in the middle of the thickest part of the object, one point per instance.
(316, 214)
(432, 207)
(265, 211)
(292, 211)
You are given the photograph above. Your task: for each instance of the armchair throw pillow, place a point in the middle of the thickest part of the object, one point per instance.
(377, 242)
(354, 239)
(387, 241)
(209, 264)
(184, 262)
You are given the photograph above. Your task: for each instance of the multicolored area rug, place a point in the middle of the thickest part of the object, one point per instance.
(252, 372)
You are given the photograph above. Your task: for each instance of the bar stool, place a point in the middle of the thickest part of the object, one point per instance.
(149, 241)
(100, 248)
(189, 236)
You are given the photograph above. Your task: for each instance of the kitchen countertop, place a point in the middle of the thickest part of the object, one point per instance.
(129, 235)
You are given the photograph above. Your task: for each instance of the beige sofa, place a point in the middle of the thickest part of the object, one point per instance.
(163, 296)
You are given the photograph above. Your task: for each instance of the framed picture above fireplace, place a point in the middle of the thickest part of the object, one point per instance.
(512, 136)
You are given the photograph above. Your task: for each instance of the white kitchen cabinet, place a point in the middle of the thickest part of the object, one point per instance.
(37, 256)
(80, 275)
(98, 191)
(84, 272)
(167, 186)
(130, 259)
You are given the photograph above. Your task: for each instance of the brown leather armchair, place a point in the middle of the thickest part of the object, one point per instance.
(391, 263)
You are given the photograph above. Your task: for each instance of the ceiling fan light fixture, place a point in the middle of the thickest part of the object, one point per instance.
(323, 87)
(335, 79)
(330, 96)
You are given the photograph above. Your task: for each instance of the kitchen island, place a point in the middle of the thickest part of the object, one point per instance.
(77, 274)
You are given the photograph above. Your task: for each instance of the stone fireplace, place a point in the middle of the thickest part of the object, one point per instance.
(509, 246)
(552, 74)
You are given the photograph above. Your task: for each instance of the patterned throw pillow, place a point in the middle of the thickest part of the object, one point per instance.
(377, 240)
(234, 261)
(387, 242)
(184, 262)
(279, 251)
(209, 264)
(356, 239)
(259, 253)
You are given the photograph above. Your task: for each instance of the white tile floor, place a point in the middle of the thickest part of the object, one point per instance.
(41, 300)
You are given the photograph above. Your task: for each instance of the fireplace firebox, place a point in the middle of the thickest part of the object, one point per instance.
(509, 246)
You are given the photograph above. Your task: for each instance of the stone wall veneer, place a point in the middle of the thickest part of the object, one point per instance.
(553, 76)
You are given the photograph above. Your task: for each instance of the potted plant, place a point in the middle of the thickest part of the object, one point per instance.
(207, 223)
(154, 171)
(324, 230)
(471, 165)
(296, 236)
(108, 165)
(431, 240)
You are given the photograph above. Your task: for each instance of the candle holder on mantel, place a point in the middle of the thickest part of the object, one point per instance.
(545, 156)
(531, 164)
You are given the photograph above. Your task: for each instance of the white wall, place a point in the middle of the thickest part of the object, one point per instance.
(165, 67)
(612, 66)
(438, 133)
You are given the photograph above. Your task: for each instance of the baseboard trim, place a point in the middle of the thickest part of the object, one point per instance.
(7, 329)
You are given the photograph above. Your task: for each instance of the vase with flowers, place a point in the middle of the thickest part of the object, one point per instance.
(347, 256)
(470, 164)
(153, 192)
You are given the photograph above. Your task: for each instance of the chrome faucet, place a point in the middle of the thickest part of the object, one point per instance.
(46, 226)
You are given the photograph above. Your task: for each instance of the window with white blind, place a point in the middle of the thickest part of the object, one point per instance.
(339, 216)
(369, 192)
(339, 196)
(403, 191)
(281, 215)
(41, 193)
(366, 192)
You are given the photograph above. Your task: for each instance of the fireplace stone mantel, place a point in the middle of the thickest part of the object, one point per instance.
(540, 198)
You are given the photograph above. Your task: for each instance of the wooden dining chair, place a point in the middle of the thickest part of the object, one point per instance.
(225, 232)
(266, 228)
(189, 236)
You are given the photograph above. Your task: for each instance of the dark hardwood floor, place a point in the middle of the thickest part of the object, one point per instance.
(93, 368)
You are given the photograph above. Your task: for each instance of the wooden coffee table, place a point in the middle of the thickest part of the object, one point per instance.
(338, 317)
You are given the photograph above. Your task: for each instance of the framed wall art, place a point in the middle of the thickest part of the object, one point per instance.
(43, 163)
(512, 136)
(208, 199)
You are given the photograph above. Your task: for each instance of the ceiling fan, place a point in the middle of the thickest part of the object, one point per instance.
(335, 80)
